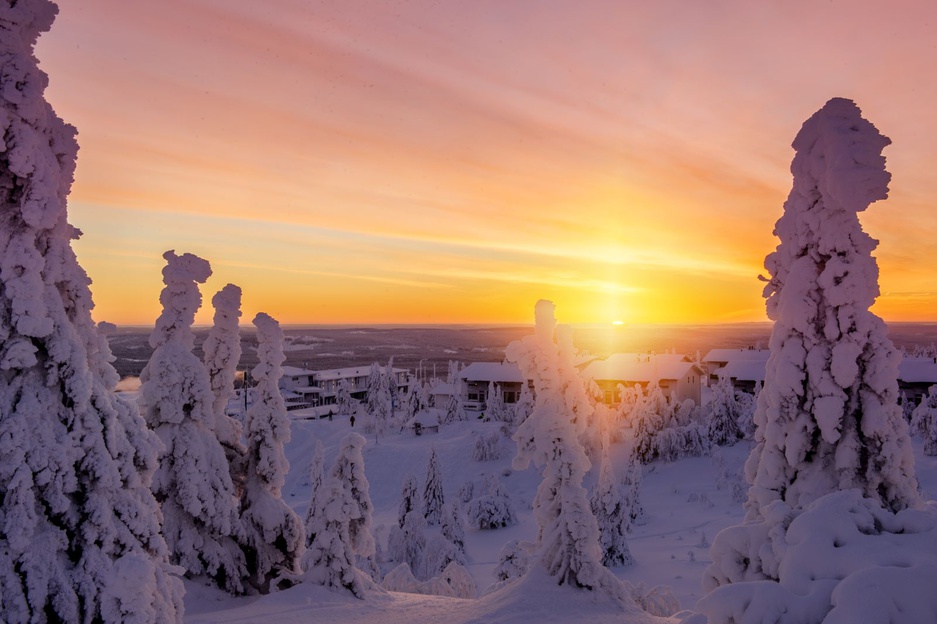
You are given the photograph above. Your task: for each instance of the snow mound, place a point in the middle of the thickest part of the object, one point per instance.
(844, 559)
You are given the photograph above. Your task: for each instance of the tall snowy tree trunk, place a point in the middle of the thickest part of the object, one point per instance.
(76, 461)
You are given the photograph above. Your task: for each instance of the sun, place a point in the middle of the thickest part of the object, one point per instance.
(618, 322)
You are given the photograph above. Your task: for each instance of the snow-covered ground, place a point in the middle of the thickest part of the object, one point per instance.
(685, 509)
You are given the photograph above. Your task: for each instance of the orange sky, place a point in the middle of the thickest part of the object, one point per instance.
(442, 161)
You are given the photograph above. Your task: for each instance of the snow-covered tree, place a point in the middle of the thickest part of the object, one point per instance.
(378, 403)
(390, 382)
(831, 446)
(612, 515)
(349, 471)
(924, 420)
(494, 405)
(568, 539)
(76, 460)
(452, 375)
(409, 499)
(330, 559)
(316, 480)
(438, 554)
(343, 397)
(414, 401)
(724, 415)
(513, 560)
(455, 410)
(406, 543)
(748, 404)
(632, 491)
(433, 499)
(487, 447)
(222, 352)
(492, 510)
(193, 483)
(274, 533)
(828, 416)
(453, 528)
(907, 405)
(524, 406)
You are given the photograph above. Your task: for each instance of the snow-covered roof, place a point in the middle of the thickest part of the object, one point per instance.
(640, 368)
(306, 390)
(350, 372)
(918, 370)
(731, 355)
(671, 357)
(498, 372)
(744, 370)
(294, 371)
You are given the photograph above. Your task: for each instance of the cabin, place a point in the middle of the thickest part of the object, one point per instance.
(425, 421)
(677, 377)
(915, 376)
(718, 359)
(476, 378)
(743, 374)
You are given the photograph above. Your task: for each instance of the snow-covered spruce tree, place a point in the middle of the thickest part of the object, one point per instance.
(76, 460)
(222, 352)
(513, 560)
(414, 402)
(524, 406)
(828, 416)
(612, 516)
(316, 480)
(409, 499)
(632, 491)
(407, 543)
(494, 405)
(748, 403)
(390, 382)
(343, 398)
(924, 420)
(568, 538)
(453, 528)
(193, 482)
(492, 510)
(724, 415)
(349, 471)
(455, 410)
(378, 403)
(831, 445)
(330, 558)
(907, 405)
(274, 534)
(433, 499)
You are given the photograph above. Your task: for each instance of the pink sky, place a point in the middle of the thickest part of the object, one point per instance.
(456, 161)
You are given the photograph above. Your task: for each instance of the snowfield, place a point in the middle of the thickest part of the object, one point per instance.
(685, 509)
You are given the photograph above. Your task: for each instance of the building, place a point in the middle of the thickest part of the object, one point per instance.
(302, 388)
(476, 377)
(718, 359)
(916, 375)
(678, 378)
